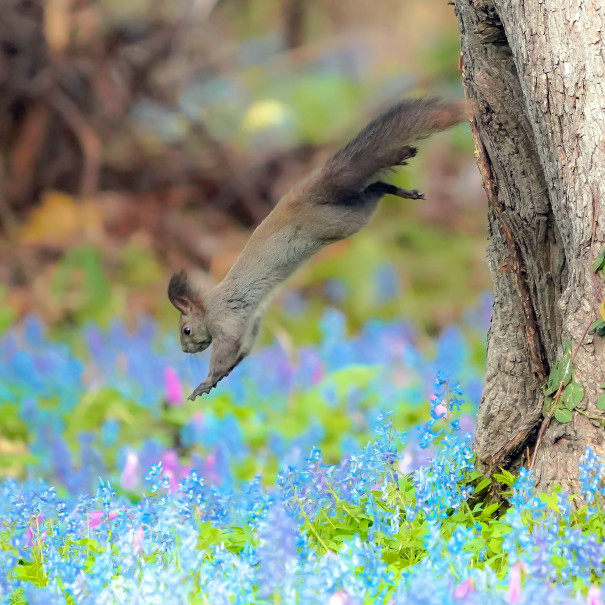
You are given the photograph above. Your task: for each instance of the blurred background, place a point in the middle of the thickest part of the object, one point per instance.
(141, 137)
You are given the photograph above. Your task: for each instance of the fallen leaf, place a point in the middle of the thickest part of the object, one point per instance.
(58, 218)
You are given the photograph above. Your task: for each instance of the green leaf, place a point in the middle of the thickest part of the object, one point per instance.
(598, 327)
(560, 561)
(567, 369)
(495, 545)
(483, 484)
(489, 510)
(561, 373)
(563, 415)
(599, 263)
(601, 402)
(551, 500)
(491, 560)
(505, 477)
(500, 529)
(474, 545)
(552, 384)
(547, 405)
(31, 572)
(572, 395)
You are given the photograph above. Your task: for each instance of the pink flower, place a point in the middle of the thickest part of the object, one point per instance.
(440, 410)
(96, 516)
(137, 540)
(594, 596)
(132, 472)
(173, 387)
(463, 590)
(514, 584)
(30, 534)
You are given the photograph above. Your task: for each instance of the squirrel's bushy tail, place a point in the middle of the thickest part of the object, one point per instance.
(383, 142)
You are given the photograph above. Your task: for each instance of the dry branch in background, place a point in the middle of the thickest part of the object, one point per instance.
(71, 75)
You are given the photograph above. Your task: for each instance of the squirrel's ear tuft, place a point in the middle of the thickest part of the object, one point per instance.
(181, 294)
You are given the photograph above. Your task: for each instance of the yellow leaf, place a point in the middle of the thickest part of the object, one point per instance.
(265, 114)
(58, 218)
(602, 310)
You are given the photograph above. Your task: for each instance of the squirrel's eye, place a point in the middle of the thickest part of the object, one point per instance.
(187, 331)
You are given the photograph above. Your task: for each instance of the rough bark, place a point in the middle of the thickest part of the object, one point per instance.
(535, 70)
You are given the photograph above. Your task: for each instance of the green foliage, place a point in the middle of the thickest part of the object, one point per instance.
(31, 571)
(328, 531)
(332, 527)
(562, 372)
(17, 597)
(563, 415)
(81, 284)
(89, 546)
(505, 477)
(572, 394)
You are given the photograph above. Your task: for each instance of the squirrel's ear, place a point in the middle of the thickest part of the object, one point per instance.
(181, 294)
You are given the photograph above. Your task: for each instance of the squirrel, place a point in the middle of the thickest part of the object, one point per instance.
(331, 204)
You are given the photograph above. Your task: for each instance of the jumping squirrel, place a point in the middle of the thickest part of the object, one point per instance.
(331, 204)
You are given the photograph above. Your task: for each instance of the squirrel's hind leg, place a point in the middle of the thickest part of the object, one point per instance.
(378, 189)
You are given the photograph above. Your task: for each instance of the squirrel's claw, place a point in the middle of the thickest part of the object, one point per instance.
(414, 194)
(205, 387)
(202, 389)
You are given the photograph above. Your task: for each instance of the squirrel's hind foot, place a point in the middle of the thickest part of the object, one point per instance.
(378, 189)
(408, 152)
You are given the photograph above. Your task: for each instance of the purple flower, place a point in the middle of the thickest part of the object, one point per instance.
(277, 551)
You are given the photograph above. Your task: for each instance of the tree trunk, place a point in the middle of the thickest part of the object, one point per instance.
(535, 72)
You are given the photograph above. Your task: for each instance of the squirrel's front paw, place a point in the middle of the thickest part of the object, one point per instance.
(211, 382)
(225, 356)
(202, 389)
